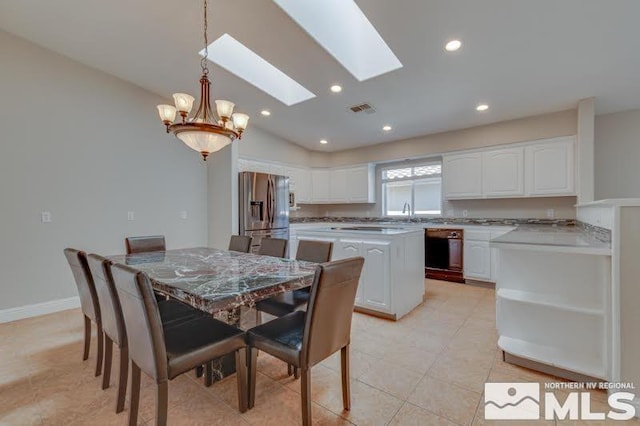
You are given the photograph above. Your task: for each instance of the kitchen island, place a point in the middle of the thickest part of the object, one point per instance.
(392, 280)
(553, 296)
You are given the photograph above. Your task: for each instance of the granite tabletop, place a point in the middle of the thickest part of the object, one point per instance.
(216, 280)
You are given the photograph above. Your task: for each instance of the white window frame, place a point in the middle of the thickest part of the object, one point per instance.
(413, 179)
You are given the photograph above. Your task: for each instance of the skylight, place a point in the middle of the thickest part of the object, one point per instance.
(238, 59)
(344, 31)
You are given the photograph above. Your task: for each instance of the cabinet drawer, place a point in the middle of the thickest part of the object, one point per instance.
(477, 235)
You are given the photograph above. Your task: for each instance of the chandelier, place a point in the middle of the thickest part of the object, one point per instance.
(205, 132)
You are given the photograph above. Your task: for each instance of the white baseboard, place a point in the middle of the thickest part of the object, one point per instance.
(28, 311)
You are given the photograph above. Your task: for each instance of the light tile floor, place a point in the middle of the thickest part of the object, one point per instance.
(427, 369)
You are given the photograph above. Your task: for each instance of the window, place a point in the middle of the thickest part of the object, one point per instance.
(414, 189)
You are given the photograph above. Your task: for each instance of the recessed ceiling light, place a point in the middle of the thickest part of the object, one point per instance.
(453, 45)
(238, 59)
(346, 33)
(324, 141)
(482, 107)
(336, 88)
(387, 128)
(265, 112)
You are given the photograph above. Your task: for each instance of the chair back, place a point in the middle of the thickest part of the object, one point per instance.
(145, 335)
(145, 244)
(110, 309)
(84, 281)
(314, 251)
(328, 320)
(240, 243)
(276, 247)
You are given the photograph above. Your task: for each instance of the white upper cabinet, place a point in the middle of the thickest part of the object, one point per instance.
(503, 172)
(299, 183)
(462, 176)
(361, 184)
(278, 169)
(338, 191)
(320, 186)
(550, 167)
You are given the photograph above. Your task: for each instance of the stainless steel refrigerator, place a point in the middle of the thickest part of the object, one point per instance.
(264, 206)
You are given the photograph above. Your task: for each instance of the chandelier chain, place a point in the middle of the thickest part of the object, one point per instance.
(203, 61)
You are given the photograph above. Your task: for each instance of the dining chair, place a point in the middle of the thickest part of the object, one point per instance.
(145, 244)
(291, 301)
(88, 301)
(240, 243)
(171, 312)
(276, 247)
(165, 353)
(304, 339)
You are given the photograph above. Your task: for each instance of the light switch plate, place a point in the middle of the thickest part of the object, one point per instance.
(550, 213)
(131, 216)
(184, 215)
(45, 217)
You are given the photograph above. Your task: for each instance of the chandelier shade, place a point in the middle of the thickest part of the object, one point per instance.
(206, 131)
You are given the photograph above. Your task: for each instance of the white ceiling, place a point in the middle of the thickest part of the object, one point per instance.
(521, 57)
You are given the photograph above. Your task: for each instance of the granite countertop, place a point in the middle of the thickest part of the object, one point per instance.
(370, 230)
(215, 280)
(545, 238)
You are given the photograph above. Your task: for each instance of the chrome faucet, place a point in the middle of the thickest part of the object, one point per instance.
(406, 209)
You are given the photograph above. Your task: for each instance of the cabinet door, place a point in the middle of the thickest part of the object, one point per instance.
(477, 260)
(320, 186)
(242, 165)
(360, 185)
(257, 166)
(550, 168)
(462, 176)
(338, 186)
(377, 282)
(303, 186)
(343, 249)
(503, 172)
(277, 169)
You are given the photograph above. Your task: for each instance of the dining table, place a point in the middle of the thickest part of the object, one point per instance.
(219, 282)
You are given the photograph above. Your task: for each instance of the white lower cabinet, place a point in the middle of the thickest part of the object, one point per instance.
(477, 260)
(387, 284)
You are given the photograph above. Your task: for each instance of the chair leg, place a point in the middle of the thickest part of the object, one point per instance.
(87, 337)
(305, 387)
(258, 317)
(346, 387)
(135, 394)
(108, 355)
(199, 371)
(289, 370)
(100, 337)
(241, 376)
(122, 380)
(253, 363)
(296, 372)
(162, 403)
(208, 375)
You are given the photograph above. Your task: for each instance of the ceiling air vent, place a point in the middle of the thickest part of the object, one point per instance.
(364, 107)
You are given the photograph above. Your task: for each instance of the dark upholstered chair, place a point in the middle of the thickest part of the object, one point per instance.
(145, 244)
(163, 353)
(303, 339)
(276, 247)
(171, 312)
(88, 301)
(240, 243)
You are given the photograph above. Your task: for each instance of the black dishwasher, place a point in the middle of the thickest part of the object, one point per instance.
(443, 254)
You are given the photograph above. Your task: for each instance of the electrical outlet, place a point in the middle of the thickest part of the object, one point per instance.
(450, 212)
(131, 216)
(184, 215)
(45, 217)
(550, 213)
(465, 213)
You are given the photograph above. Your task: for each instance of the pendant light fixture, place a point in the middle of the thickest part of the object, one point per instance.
(205, 132)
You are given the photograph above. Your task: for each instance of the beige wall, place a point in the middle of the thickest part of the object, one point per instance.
(562, 123)
(87, 147)
(260, 144)
(617, 153)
